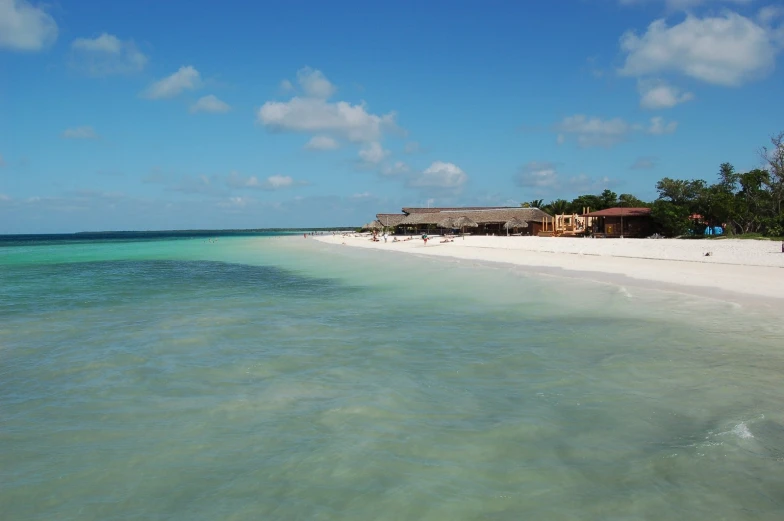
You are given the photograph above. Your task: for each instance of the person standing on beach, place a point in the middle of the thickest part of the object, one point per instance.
(424, 238)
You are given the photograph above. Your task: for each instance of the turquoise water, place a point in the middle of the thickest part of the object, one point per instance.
(280, 378)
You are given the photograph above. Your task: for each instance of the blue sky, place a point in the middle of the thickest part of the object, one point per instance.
(171, 115)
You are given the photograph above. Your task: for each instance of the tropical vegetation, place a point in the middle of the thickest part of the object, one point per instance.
(742, 203)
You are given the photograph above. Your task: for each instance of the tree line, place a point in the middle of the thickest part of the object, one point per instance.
(740, 202)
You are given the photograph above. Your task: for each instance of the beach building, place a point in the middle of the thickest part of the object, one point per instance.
(487, 220)
(621, 222)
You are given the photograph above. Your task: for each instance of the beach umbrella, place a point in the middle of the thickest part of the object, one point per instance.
(446, 223)
(464, 222)
(515, 222)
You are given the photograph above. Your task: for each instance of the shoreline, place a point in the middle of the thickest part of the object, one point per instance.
(740, 271)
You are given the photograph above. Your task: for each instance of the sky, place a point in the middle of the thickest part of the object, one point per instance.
(150, 115)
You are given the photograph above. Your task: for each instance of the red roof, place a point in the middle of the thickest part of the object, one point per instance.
(620, 212)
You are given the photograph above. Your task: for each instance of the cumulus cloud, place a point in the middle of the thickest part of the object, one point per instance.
(724, 50)
(79, 133)
(680, 5)
(24, 27)
(210, 103)
(396, 168)
(657, 94)
(373, 153)
(768, 14)
(593, 131)
(186, 78)
(271, 183)
(321, 143)
(314, 83)
(200, 184)
(644, 163)
(440, 175)
(313, 115)
(106, 54)
(597, 132)
(543, 177)
(412, 147)
(286, 86)
(536, 174)
(659, 126)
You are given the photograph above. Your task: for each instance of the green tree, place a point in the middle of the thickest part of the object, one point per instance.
(609, 199)
(593, 202)
(671, 219)
(630, 201)
(559, 206)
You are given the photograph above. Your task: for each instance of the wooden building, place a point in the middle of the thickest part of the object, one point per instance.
(621, 222)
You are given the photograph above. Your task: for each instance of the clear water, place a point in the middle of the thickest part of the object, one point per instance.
(280, 378)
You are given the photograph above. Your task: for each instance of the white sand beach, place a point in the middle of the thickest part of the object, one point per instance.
(734, 269)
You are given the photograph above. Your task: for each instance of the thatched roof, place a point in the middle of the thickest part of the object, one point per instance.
(465, 222)
(498, 215)
(455, 209)
(373, 225)
(515, 222)
(390, 219)
(446, 222)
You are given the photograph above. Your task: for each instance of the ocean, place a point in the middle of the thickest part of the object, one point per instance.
(278, 378)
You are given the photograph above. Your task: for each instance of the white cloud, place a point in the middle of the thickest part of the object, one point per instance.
(769, 13)
(311, 115)
(286, 86)
(24, 27)
(724, 50)
(4, 197)
(274, 182)
(210, 103)
(657, 94)
(441, 175)
(412, 147)
(186, 78)
(644, 163)
(561, 139)
(373, 153)
(537, 174)
(314, 83)
(658, 126)
(321, 143)
(593, 132)
(106, 54)
(79, 133)
(583, 183)
(234, 202)
(680, 5)
(397, 168)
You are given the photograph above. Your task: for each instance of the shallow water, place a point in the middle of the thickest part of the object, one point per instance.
(279, 378)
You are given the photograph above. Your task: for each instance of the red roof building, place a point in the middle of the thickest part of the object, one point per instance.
(621, 222)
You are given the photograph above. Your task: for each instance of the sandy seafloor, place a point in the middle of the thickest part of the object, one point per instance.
(285, 378)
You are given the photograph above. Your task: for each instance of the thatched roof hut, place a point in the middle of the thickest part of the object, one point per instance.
(482, 216)
(390, 220)
(373, 225)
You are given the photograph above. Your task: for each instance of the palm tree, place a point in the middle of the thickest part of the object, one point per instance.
(559, 206)
(536, 203)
